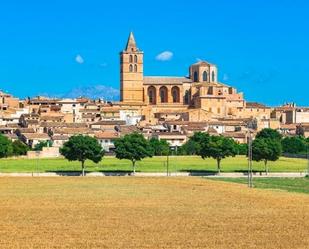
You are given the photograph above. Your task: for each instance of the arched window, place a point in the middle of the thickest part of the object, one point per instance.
(213, 76)
(152, 95)
(131, 59)
(187, 97)
(163, 94)
(135, 58)
(205, 76)
(195, 77)
(131, 68)
(176, 94)
(135, 68)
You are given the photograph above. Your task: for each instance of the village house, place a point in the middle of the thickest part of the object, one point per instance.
(106, 139)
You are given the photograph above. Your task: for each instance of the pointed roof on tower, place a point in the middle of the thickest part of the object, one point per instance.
(131, 43)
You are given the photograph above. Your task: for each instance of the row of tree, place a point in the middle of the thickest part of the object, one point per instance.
(133, 147)
(267, 146)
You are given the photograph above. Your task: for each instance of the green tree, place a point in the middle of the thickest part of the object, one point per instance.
(269, 133)
(293, 144)
(6, 148)
(133, 147)
(242, 149)
(193, 145)
(81, 148)
(218, 147)
(40, 145)
(159, 147)
(266, 149)
(19, 148)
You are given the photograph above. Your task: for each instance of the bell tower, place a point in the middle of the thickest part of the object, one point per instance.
(131, 73)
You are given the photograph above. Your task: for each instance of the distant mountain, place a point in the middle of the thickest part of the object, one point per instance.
(93, 92)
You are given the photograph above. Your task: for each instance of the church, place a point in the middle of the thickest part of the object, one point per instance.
(198, 97)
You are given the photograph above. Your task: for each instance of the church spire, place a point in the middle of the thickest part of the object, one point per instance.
(131, 44)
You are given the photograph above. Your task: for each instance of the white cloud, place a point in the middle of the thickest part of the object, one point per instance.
(164, 56)
(79, 59)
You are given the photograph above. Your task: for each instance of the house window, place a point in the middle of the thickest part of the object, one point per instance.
(213, 76)
(135, 68)
(131, 59)
(135, 59)
(131, 68)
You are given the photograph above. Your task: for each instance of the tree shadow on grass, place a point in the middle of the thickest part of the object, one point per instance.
(193, 172)
(245, 172)
(101, 172)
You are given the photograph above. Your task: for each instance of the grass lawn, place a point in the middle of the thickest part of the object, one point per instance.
(129, 212)
(155, 164)
(300, 185)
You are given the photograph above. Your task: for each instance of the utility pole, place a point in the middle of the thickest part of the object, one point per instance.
(308, 159)
(250, 177)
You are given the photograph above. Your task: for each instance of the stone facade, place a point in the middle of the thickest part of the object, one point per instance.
(200, 94)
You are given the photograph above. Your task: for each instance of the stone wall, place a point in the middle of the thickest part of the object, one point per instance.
(47, 152)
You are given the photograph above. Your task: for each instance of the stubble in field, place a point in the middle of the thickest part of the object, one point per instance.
(148, 213)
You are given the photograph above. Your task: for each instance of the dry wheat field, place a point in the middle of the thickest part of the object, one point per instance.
(152, 213)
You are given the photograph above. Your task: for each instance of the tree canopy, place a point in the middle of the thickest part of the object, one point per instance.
(81, 148)
(294, 145)
(133, 147)
(218, 147)
(194, 144)
(159, 147)
(19, 148)
(269, 133)
(6, 148)
(40, 145)
(242, 149)
(266, 149)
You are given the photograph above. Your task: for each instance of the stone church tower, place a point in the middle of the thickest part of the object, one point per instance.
(131, 73)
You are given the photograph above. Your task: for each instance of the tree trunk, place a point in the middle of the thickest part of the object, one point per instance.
(266, 167)
(83, 168)
(218, 165)
(133, 163)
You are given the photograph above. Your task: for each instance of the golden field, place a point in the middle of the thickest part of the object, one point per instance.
(152, 213)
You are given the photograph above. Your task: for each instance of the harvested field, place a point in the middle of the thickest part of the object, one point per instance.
(152, 213)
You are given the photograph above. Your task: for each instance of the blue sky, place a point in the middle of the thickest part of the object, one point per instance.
(57, 47)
